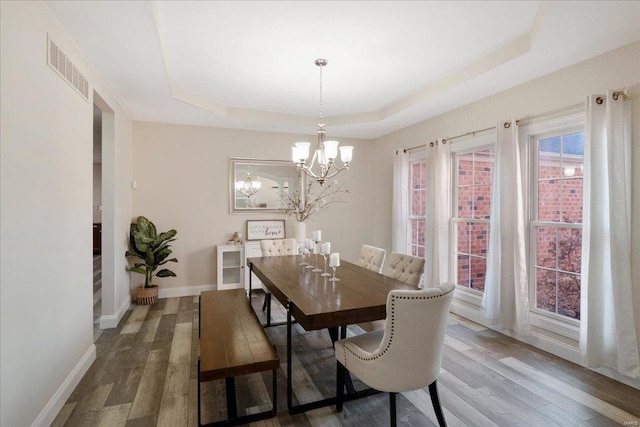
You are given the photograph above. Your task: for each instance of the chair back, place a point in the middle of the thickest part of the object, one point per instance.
(406, 268)
(372, 258)
(409, 356)
(278, 247)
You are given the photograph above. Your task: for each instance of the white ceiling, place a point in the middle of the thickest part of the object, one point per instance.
(250, 65)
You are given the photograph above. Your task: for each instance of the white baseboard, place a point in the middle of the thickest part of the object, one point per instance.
(51, 410)
(112, 320)
(185, 291)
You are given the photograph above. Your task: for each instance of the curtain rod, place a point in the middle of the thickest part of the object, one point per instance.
(624, 93)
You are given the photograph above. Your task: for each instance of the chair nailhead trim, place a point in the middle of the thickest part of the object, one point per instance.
(393, 306)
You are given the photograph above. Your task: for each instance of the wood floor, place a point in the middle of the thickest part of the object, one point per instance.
(145, 375)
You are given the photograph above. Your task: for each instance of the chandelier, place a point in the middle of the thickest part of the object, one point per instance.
(248, 186)
(322, 166)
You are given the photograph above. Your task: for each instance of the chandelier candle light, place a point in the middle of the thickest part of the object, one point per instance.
(322, 166)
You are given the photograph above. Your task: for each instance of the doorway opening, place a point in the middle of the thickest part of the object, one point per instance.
(97, 220)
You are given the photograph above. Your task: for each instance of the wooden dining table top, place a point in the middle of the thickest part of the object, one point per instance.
(317, 303)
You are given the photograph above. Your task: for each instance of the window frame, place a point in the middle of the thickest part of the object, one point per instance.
(530, 134)
(461, 147)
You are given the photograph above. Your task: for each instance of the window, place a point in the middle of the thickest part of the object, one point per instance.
(417, 206)
(556, 226)
(473, 178)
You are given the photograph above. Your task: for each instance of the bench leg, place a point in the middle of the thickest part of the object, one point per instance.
(232, 408)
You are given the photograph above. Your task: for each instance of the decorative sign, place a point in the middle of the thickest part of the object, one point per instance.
(260, 230)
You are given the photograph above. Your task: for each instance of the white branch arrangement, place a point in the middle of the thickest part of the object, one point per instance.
(316, 201)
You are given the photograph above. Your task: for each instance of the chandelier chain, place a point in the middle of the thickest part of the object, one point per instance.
(321, 118)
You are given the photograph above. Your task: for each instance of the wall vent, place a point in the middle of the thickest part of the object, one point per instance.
(65, 69)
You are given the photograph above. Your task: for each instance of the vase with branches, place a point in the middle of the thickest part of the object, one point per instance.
(315, 200)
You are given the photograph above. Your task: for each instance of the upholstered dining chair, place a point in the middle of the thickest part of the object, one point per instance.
(372, 258)
(406, 268)
(274, 247)
(407, 354)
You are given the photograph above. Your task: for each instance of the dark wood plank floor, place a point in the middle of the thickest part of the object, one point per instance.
(145, 375)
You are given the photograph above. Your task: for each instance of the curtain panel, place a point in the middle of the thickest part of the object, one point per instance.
(505, 302)
(608, 336)
(437, 214)
(400, 204)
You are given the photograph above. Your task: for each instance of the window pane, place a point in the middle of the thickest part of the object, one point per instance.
(483, 167)
(477, 273)
(465, 169)
(549, 158)
(569, 295)
(479, 239)
(465, 202)
(482, 202)
(417, 236)
(463, 233)
(546, 247)
(569, 248)
(572, 200)
(463, 270)
(549, 200)
(417, 188)
(546, 290)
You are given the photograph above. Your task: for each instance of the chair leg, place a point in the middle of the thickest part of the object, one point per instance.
(339, 386)
(433, 392)
(392, 409)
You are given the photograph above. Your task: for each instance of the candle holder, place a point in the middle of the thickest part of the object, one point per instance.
(325, 274)
(302, 251)
(334, 278)
(308, 265)
(317, 269)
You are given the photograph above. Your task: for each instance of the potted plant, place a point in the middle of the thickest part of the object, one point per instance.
(153, 249)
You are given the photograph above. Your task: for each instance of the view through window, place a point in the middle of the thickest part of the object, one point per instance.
(473, 181)
(557, 223)
(417, 206)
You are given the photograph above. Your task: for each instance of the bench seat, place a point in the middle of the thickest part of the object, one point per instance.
(233, 343)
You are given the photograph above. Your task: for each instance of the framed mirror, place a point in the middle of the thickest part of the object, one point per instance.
(257, 185)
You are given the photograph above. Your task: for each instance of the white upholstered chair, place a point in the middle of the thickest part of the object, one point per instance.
(372, 258)
(406, 268)
(275, 247)
(407, 354)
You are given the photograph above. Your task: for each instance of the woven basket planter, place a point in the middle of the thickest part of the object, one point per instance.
(147, 296)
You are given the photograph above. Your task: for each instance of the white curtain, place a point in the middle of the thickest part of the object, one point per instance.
(437, 214)
(607, 328)
(400, 201)
(505, 302)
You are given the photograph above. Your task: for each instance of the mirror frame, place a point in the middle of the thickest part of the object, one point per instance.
(233, 162)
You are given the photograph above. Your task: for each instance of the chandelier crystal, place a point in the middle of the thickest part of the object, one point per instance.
(248, 186)
(322, 165)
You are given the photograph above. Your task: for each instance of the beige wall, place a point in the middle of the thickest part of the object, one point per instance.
(46, 156)
(182, 177)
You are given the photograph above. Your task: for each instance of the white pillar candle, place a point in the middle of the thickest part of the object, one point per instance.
(326, 248)
(308, 243)
(316, 248)
(334, 260)
(317, 236)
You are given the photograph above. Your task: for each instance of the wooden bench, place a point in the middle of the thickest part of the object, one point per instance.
(233, 343)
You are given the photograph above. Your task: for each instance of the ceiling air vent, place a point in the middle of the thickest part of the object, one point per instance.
(60, 63)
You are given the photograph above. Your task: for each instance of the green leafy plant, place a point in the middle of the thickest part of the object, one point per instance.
(152, 248)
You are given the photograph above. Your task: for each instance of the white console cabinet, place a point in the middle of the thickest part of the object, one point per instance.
(251, 250)
(231, 266)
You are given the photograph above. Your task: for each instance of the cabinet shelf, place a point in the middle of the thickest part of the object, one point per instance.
(230, 267)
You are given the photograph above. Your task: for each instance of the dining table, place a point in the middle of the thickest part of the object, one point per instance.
(315, 302)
